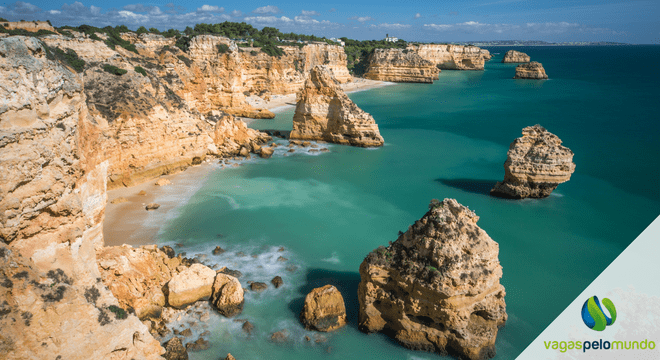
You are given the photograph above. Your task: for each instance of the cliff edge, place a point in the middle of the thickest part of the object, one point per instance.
(399, 65)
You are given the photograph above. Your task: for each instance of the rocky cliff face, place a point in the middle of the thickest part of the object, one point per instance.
(436, 288)
(536, 163)
(324, 112)
(400, 65)
(52, 202)
(513, 56)
(533, 70)
(452, 57)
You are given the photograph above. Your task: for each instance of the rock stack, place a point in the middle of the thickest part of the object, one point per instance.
(324, 309)
(513, 56)
(324, 112)
(533, 70)
(536, 163)
(437, 287)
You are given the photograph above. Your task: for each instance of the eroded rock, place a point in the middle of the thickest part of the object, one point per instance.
(536, 164)
(324, 112)
(513, 56)
(533, 70)
(399, 65)
(436, 288)
(227, 295)
(324, 309)
(190, 285)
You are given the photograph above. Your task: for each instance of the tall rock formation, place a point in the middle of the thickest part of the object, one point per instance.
(533, 70)
(400, 65)
(452, 57)
(52, 204)
(536, 163)
(436, 288)
(324, 112)
(513, 56)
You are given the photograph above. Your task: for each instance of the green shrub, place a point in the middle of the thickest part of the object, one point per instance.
(119, 312)
(183, 43)
(272, 49)
(222, 48)
(253, 53)
(114, 70)
(140, 70)
(3, 20)
(70, 57)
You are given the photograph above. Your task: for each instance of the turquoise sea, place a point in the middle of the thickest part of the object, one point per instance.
(446, 140)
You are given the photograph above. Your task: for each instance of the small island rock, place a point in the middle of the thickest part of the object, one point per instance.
(513, 56)
(533, 70)
(536, 164)
(324, 112)
(324, 309)
(437, 287)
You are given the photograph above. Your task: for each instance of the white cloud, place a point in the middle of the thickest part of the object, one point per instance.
(390, 26)
(418, 15)
(268, 19)
(269, 9)
(53, 12)
(440, 27)
(97, 10)
(210, 8)
(475, 27)
(361, 19)
(236, 13)
(310, 13)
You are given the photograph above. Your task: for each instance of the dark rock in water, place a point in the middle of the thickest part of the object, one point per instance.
(282, 258)
(174, 350)
(248, 327)
(229, 357)
(291, 268)
(307, 338)
(324, 309)
(198, 345)
(168, 251)
(277, 281)
(218, 250)
(235, 273)
(186, 333)
(258, 286)
(152, 206)
(280, 336)
(220, 236)
(281, 249)
(240, 254)
(178, 245)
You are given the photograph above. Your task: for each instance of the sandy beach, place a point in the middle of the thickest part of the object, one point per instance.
(130, 223)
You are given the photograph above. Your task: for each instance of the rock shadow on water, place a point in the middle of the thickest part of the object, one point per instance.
(476, 186)
(345, 281)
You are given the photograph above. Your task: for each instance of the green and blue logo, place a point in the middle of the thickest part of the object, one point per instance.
(594, 316)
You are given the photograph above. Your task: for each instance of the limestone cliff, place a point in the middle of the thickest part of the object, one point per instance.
(513, 56)
(436, 288)
(324, 112)
(536, 163)
(486, 54)
(452, 57)
(400, 65)
(533, 70)
(52, 202)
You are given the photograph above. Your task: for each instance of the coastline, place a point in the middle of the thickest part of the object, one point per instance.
(130, 223)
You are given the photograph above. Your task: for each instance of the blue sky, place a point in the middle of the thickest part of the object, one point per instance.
(416, 20)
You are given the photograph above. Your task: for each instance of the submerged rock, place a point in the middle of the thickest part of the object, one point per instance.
(437, 287)
(258, 286)
(119, 200)
(227, 295)
(218, 250)
(533, 70)
(199, 345)
(513, 56)
(152, 206)
(324, 309)
(277, 281)
(536, 163)
(266, 152)
(191, 285)
(324, 112)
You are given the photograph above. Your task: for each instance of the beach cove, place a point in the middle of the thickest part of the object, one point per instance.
(446, 140)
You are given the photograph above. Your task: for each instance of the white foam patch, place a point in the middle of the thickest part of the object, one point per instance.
(333, 259)
(230, 200)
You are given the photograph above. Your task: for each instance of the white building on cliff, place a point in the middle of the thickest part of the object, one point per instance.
(391, 38)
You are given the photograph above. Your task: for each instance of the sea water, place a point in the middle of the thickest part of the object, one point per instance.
(328, 210)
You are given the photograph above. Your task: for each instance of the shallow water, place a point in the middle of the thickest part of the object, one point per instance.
(446, 140)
